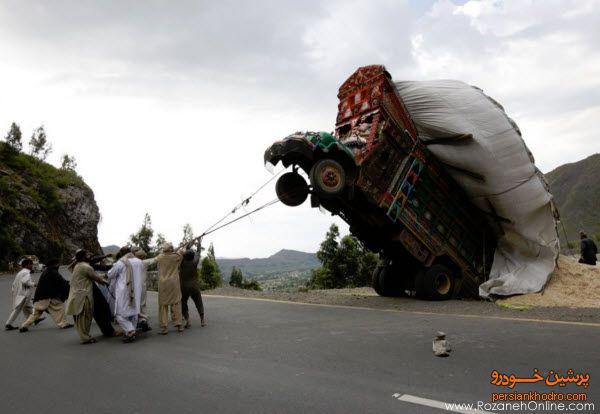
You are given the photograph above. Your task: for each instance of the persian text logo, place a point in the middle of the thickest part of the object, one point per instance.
(551, 380)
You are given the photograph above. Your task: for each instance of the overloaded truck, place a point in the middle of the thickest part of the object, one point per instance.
(397, 198)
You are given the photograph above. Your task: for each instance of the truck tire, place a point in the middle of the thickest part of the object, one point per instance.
(420, 284)
(439, 282)
(389, 283)
(375, 281)
(328, 178)
(291, 189)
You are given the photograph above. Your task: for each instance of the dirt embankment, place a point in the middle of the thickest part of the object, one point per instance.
(572, 285)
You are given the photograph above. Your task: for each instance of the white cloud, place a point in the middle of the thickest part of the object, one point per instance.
(539, 59)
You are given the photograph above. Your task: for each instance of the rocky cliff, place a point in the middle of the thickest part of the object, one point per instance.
(44, 211)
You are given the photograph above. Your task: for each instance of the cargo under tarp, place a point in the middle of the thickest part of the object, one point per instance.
(497, 170)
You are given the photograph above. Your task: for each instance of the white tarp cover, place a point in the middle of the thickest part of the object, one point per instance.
(513, 188)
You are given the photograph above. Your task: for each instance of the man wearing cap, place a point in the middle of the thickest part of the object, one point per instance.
(50, 294)
(169, 290)
(22, 289)
(80, 302)
(588, 250)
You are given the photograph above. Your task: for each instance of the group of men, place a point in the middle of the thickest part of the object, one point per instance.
(120, 296)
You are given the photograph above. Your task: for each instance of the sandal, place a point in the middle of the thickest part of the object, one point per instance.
(89, 341)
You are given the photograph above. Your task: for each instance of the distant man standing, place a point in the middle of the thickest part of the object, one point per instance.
(588, 250)
(80, 303)
(22, 290)
(169, 290)
(127, 274)
(51, 292)
(190, 287)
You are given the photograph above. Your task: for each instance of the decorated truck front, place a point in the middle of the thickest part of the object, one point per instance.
(396, 196)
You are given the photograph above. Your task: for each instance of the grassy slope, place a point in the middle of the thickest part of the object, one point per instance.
(23, 175)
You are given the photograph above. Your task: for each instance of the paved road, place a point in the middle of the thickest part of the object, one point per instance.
(262, 356)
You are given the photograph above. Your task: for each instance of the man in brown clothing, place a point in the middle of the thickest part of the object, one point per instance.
(80, 302)
(169, 290)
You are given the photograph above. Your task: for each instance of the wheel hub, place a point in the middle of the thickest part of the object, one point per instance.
(330, 177)
(443, 283)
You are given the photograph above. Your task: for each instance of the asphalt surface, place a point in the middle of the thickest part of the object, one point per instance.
(260, 356)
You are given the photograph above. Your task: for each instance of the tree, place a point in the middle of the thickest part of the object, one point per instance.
(209, 273)
(14, 138)
(143, 237)
(368, 263)
(39, 145)
(346, 263)
(329, 246)
(251, 285)
(211, 253)
(188, 234)
(160, 240)
(68, 163)
(236, 278)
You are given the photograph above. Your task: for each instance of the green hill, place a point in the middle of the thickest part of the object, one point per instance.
(576, 189)
(284, 269)
(45, 211)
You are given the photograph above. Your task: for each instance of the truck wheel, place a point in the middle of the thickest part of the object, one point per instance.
(375, 280)
(291, 189)
(389, 285)
(328, 178)
(420, 284)
(438, 282)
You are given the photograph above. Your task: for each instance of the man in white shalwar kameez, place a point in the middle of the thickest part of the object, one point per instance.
(127, 276)
(22, 291)
(143, 316)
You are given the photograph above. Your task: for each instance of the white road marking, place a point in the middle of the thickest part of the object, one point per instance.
(437, 404)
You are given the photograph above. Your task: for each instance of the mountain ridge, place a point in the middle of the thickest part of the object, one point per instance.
(286, 267)
(576, 190)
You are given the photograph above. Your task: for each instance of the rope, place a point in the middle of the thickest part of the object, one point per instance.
(244, 202)
(270, 203)
(566, 237)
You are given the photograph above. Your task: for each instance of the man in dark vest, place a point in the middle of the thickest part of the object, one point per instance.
(102, 312)
(588, 250)
(50, 294)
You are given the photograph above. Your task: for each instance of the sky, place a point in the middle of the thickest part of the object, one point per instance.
(168, 106)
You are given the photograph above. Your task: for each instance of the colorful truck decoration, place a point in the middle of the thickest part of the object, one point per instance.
(396, 196)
